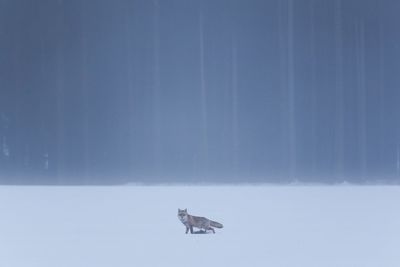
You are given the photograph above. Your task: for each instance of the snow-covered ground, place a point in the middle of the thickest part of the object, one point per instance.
(138, 226)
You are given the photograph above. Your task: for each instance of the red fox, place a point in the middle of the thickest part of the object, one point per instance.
(191, 221)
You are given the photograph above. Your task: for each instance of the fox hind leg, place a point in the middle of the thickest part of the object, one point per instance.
(212, 229)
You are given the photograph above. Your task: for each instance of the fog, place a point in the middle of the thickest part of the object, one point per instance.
(199, 91)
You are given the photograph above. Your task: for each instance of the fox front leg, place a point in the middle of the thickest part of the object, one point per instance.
(187, 229)
(191, 229)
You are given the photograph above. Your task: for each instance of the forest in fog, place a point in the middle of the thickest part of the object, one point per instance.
(194, 91)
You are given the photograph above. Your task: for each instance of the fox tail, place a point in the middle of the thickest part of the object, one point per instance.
(216, 224)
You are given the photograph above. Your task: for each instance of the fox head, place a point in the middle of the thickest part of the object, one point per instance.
(182, 214)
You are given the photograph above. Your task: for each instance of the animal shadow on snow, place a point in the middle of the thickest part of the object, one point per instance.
(201, 232)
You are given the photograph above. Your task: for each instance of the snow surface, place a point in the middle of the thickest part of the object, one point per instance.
(138, 226)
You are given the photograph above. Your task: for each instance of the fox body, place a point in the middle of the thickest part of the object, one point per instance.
(191, 221)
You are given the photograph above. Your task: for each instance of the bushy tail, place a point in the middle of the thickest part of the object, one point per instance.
(216, 224)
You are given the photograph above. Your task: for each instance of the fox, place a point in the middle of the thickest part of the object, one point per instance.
(202, 223)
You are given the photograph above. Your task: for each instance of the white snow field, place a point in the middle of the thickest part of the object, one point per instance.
(338, 226)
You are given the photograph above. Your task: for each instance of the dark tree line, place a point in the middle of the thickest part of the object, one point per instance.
(113, 91)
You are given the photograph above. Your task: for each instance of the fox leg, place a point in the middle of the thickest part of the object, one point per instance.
(212, 229)
(187, 229)
(191, 229)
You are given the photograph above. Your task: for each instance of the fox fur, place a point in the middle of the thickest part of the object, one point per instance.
(202, 223)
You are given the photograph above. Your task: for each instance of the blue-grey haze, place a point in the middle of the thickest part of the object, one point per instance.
(199, 91)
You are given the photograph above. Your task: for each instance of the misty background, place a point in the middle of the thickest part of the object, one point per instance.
(95, 92)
